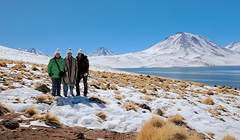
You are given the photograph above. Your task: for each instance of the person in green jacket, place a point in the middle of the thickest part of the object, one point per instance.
(53, 72)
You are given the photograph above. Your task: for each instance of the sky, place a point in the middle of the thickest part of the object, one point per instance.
(121, 26)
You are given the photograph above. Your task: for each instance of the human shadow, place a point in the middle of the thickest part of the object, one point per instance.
(61, 101)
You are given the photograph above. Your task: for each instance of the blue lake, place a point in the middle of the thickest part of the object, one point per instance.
(216, 75)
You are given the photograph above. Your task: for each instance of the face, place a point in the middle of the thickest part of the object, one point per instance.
(57, 55)
(79, 55)
(69, 54)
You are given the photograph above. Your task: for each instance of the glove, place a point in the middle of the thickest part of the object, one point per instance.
(85, 74)
(51, 74)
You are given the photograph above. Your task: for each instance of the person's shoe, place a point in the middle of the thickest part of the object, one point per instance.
(65, 95)
(78, 95)
(73, 95)
(59, 95)
(85, 94)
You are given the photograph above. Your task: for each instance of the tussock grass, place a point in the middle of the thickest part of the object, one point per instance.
(208, 101)
(52, 120)
(196, 84)
(46, 99)
(129, 106)
(117, 92)
(34, 68)
(4, 110)
(102, 115)
(177, 119)
(30, 112)
(3, 64)
(157, 129)
(228, 137)
(113, 87)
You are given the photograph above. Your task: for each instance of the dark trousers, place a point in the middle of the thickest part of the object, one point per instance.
(85, 85)
(56, 86)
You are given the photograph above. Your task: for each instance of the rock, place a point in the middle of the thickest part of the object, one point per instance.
(94, 99)
(148, 76)
(80, 135)
(11, 124)
(159, 112)
(144, 106)
(43, 88)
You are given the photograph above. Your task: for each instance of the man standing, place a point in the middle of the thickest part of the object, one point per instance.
(71, 73)
(56, 65)
(83, 68)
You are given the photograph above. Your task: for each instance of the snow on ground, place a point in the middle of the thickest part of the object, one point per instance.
(79, 111)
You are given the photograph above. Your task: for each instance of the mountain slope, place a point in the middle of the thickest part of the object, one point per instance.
(13, 54)
(32, 50)
(101, 51)
(234, 46)
(179, 50)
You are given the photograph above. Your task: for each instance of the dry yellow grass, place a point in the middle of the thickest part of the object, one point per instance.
(228, 137)
(51, 120)
(102, 115)
(103, 86)
(196, 84)
(46, 99)
(3, 64)
(4, 110)
(177, 119)
(149, 99)
(34, 68)
(210, 92)
(129, 106)
(208, 101)
(30, 112)
(117, 92)
(167, 131)
(113, 87)
(119, 97)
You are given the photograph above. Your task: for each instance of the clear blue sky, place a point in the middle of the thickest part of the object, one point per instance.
(120, 25)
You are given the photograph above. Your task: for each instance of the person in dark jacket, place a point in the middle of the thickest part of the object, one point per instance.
(83, 69)
(53, 72)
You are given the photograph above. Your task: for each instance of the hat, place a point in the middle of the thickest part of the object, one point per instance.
(69, 51)
(80, 51)
(57, 51)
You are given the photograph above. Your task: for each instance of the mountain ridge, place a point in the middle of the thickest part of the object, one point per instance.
(179, 50)
(101, 51)
(33, 50)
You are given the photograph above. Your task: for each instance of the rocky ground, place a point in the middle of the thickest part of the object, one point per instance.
(64, 133)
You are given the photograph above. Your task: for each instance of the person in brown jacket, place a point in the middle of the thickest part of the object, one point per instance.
(70, 73)
(83, 68)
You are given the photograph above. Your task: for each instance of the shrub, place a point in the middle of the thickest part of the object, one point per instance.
(119, 97)
(30, 112)
(103, 87)
(208, 101)
(4, 110)
(148, 99)
(228, 137)
(102, 115)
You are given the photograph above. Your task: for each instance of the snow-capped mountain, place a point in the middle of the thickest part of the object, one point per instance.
(101, 51)
(32, 50)
(234, 46)
(180, 50)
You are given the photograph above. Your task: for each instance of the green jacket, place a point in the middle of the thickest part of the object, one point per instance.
(53, 68)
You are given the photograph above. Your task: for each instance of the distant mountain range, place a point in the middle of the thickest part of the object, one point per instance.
(234, 46)
(180, 50)
(33, 50)
(101, 51)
